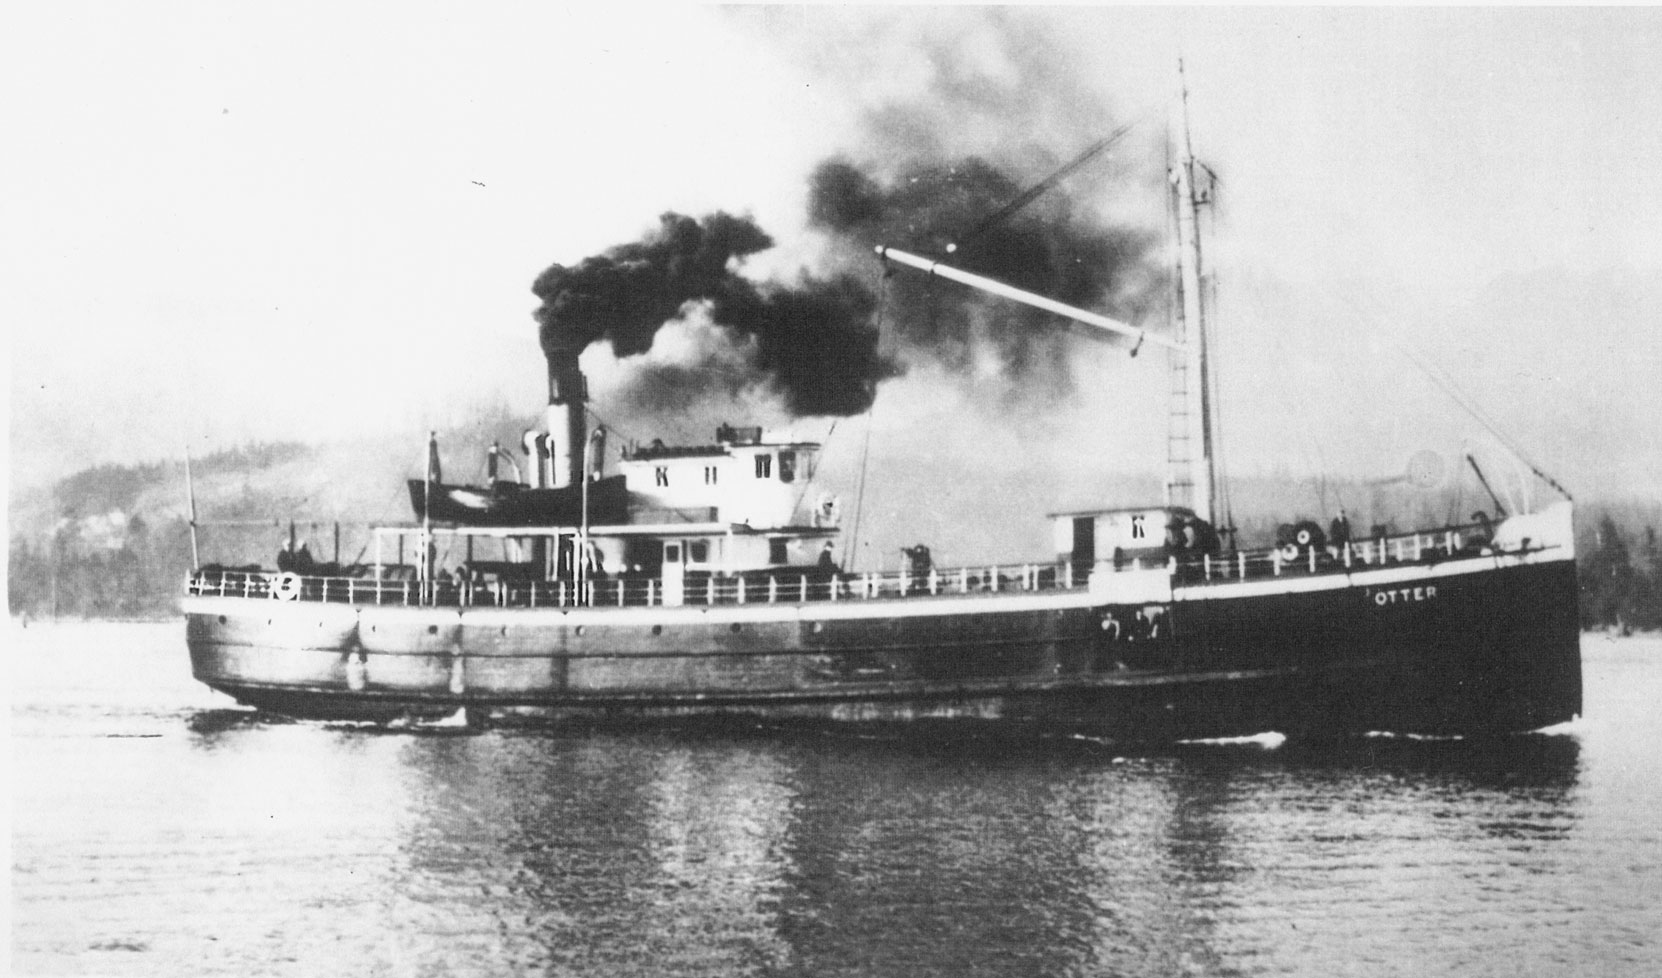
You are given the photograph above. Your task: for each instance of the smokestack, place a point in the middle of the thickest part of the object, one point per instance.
(567, 392)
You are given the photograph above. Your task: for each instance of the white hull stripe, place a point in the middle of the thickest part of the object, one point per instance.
(1295, 583)
(842, 609)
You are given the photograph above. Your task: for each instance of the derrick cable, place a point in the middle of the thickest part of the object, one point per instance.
(1445, 382)
(1039, 189)
(808, 483)
(871, 421)
(1220, 484)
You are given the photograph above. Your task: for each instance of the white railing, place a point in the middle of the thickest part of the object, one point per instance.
(755, 588)
(811, 586)
(1405, 548)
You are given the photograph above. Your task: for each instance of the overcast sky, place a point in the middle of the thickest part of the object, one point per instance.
(238, 221)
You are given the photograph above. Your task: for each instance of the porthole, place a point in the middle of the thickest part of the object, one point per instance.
(222, 619)
(819, 626)
(504, 631)
(432, 629)
(657, 629)
(580, 629)
(734, 627)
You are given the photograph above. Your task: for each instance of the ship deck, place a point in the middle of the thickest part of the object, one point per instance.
(398, 587)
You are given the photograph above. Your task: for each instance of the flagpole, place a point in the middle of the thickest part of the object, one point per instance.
(190, 500)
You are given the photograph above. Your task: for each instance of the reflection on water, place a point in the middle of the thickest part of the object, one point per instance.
(228, 843)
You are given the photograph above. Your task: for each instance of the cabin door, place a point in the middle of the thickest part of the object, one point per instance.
(675, 573)
(1084, 545)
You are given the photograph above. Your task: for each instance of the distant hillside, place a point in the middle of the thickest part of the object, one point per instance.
(114, 540)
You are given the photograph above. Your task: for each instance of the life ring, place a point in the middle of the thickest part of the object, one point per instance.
(1289, 553)
(1304, 537)
(286, 587)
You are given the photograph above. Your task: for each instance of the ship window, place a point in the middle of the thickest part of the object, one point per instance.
(1138, 532)
(672, 553)
(698, 551)
(776, 552)
(661, 473)
(764, 466)
(787, 466)
(709, 475)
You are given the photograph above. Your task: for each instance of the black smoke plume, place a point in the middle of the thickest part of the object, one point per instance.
(811, 343)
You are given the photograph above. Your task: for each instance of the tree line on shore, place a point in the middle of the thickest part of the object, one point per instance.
(64, 576)
(1620, 576)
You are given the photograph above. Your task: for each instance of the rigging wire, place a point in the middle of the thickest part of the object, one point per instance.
(871, 422)
(819, 464)
(1039, 189)
(1209, 323)
(1445, 382)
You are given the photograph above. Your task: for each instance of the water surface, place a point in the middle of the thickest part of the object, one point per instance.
(159, 829)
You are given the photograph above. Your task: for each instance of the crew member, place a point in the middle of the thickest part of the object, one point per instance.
(303, 562)
(1338, 532)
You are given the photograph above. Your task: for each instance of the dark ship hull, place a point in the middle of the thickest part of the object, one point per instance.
(1474, 645)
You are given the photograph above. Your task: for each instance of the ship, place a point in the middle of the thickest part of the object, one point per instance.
(699, 582)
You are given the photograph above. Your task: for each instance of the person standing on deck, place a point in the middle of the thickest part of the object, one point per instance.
(1338, 532)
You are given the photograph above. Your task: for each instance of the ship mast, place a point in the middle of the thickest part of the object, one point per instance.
(1189, 447)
